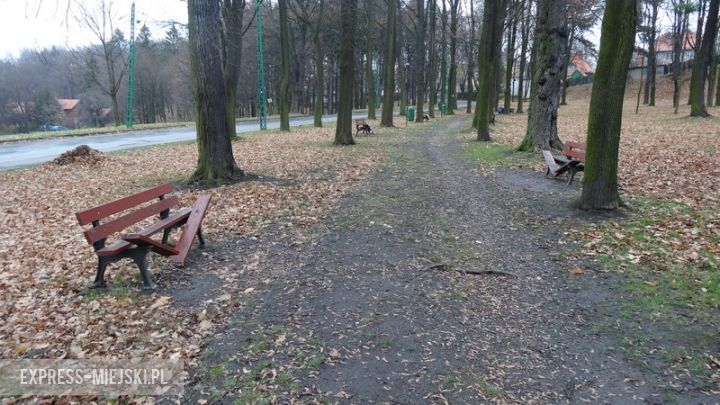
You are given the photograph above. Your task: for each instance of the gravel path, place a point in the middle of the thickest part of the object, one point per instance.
(430, 283)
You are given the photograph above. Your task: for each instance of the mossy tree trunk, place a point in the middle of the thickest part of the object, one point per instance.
(471, 59)
(649, 95)
(369, 53)
(444, 58)
(702, 63)
(420, 60)
(389, 58)
(432, 63)
(525, 39)
(488, 57)
(232, 20)
(452, 75)
(284, 101)
(215, 156)
(550, 37)
(343, 131)
(510, 55)
(712, 79)
(600, 183)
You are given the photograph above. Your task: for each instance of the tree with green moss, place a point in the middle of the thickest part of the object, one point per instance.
(488, 57)
(343, 131)
(550, 39)
(215, 155)
(284, 99)
(420, 60)
(389, 66)
(703, 62)
(600, 182)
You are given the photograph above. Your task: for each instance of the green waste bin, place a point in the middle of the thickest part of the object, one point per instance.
(410, 113)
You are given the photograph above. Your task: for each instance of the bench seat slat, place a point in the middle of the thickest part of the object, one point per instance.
(103, 231)
(161, 225)
(157, 247)
(113, 207)
(191, 229)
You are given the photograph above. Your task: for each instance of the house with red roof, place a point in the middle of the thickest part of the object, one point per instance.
(70, 112)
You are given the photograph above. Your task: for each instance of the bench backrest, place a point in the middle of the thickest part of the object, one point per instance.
(574, 150)
(99, 232)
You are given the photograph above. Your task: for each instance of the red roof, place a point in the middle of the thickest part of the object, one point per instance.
(581, 65)
(68, 104)
(664, 42)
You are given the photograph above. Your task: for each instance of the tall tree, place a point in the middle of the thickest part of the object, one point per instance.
(702, 63)
(488, 58)
(550, 36)
(311, 13)
(681, 10)
(284, 101)
(369, 55)
(600, 183)
(420, 60)
(524, 40)
(452, 79)
(389, 58)
(343, 131)
(215, 156)
(471, 59)
(650, 83)
(432, 63)
(515, 9)
(98, 17)
(232, 21)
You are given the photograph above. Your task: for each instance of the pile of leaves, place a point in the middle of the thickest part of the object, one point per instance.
(83, 154)
(46, 310)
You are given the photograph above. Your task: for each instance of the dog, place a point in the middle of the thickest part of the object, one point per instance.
(426, 117)
(363, 128)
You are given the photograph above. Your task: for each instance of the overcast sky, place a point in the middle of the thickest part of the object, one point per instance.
(44, 23)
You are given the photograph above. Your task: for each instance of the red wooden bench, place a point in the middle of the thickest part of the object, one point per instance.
(572, 162)
(137, 245)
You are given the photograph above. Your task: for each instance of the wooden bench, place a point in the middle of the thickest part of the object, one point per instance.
(572, 162)
(137, 245)
(362, 126)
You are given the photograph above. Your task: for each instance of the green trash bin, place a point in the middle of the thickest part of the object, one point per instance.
(410, 113)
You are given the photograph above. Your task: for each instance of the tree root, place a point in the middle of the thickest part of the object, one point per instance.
(445, 267)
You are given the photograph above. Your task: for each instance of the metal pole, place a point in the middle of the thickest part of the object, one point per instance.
(131, 72)
(262, 97)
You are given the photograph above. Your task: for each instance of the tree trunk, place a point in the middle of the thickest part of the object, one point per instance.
(369, 52)
(600, 183)
(232, 19)
(471, 60)
(343, 131)
(547, 81)
(652, 57)
(702, 63)
(389, 66)
(679, 29)
(284, 101)
(525, 30)
(215, 156)
(510, 58)
(488, 58)
(420, 61)
(319, 68)
(432, 68)
(452, 79)
(712, 79)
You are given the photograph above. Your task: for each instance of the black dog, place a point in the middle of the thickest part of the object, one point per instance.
(363, 128)
(426, 117)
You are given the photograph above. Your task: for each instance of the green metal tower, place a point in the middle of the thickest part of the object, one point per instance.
(131, 72)
(262, 97)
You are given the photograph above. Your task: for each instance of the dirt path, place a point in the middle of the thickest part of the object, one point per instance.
(374, 305)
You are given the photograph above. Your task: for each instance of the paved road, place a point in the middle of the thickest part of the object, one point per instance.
(23, 154)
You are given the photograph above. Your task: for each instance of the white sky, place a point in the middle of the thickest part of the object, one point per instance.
(44, 23)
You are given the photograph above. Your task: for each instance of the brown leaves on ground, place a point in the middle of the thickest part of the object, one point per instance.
(81, 154)
(46, 263)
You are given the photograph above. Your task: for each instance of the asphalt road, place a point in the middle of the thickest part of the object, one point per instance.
(22, 154)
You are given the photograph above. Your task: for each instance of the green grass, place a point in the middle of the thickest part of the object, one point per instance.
(316, 361)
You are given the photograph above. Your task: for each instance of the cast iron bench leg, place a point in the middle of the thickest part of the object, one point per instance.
(139, 256)
(99, 282)
(201, 238)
